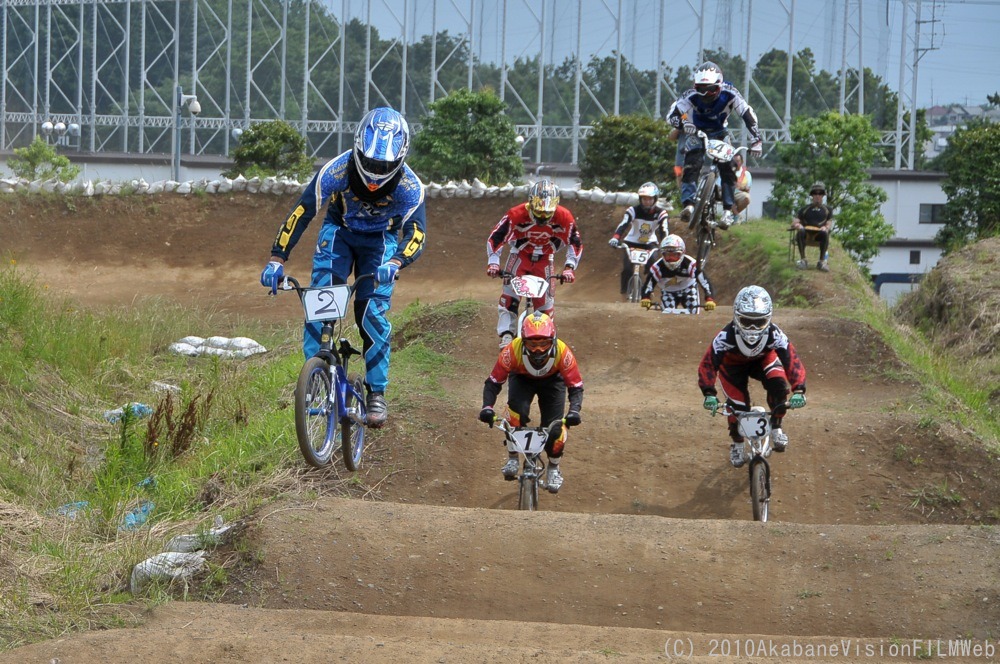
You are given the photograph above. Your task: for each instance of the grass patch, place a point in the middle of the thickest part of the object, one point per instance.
(221, 442)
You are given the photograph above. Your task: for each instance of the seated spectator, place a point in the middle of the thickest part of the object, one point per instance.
(812, 224)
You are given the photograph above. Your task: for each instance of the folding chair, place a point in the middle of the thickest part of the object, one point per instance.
(811, 241)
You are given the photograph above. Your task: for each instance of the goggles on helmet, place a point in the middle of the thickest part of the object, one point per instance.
(538, 346)
(707, 89)
(752, 323)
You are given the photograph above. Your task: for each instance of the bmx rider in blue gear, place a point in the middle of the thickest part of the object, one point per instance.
(375, 223)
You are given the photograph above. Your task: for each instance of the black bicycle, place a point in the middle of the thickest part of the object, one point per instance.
(704, 217)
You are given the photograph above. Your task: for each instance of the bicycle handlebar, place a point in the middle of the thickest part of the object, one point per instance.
(705, 139)
(504, 425)
(725, 409)
(507, 276)
(289, 282)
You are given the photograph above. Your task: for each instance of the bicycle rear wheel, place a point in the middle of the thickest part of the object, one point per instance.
(352, 434)
(760, 491)
(315, 412)
(706, 191)
(634, 288)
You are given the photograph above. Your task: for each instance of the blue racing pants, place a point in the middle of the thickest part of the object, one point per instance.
(339, 253)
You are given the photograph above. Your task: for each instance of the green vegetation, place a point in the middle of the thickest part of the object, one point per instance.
(626, 150)
(972, 162)
(837, 150)
(40, 161)
(271, 149)
(466, 135)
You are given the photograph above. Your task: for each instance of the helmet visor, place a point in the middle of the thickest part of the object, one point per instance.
(538, 347)
(707, 89)
(541, 214)
(376, 168)
(752, 323)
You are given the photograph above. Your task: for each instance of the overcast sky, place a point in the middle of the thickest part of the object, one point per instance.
(959, 39)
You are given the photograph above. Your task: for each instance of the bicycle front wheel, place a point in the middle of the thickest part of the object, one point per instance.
(352, 434)
(760, 494)
(528, 497)
(704, 241)
(316, 412)
(634, 288)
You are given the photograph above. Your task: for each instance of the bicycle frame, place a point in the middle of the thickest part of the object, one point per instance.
(704, 217)
(638, 257)
(528, 443)
(529, 287)
(342, 399)
(755, 427)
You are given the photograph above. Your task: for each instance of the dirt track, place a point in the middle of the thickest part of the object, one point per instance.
(649, 539)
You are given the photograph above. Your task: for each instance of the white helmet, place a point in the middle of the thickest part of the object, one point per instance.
(672, 246)
(648, 189)
(751, 318)
(708, 80)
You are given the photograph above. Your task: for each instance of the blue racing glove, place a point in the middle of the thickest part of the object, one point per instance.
(798, 400)
(711, 403)
(386, 273)
(271, 275)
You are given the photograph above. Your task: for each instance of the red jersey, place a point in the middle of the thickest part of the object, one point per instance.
(512, 360)
(534, 241)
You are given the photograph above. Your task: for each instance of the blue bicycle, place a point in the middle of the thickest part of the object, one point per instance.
(329, 402)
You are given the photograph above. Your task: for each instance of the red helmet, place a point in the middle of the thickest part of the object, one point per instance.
(538, 333)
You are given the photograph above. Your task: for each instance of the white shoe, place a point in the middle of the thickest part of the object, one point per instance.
(510, 469)
(779, 440)
(686, 213)
(505, 339)
(802, 264)
(823, 265)
(727, 220)
(736, 455)
(554, 479)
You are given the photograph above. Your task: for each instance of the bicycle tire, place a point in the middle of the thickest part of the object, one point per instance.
(634, 288)
(760, 495)
(704, 241)
(706, 192)
(315, 413)
(528, 493)
(352, 435)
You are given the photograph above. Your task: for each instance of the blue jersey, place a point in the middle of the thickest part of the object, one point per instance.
(401, 210)
(712, 116)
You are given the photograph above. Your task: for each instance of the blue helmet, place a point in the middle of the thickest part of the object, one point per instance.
(380, 145)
